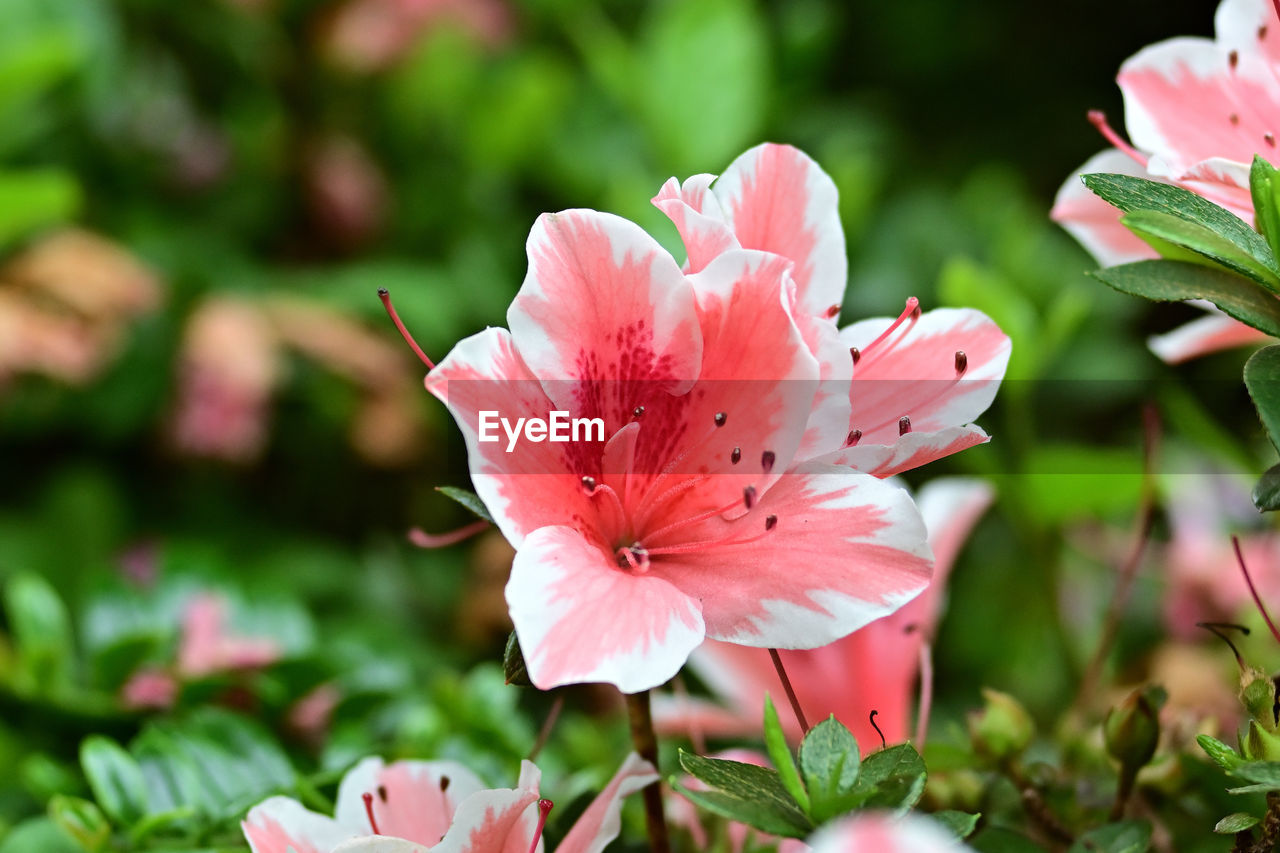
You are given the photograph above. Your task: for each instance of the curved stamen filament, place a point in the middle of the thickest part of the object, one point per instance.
(691, 547)
(910, 315)
(646, 509)
(695, 519)
(544, 809)
(385, 296)
(368, 810)
(1098, 119)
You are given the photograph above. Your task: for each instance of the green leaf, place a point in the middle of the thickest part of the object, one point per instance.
(780, 754)
(1173, 281)
(829, 764)
(1265, 190)
(1238, 822)
(81, 820)
(115, 779)
(38, 835)
(892, 778)
(961, 824)
(1260, 773)
(514, 670)
(1266, 492)
(1129, 836)
(1262, 378)
(758, 792)
(470, 500)
(746, 811)
(35, 198)
(1224, 756)
(1133, 194)
(1179, 240)
(41, 632)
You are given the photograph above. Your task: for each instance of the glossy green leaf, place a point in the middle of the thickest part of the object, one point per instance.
(468, 499)
(1224, 756)
(780, 754)
(829, 764)
(1179, 240)
(750, 812)
(81, 820)
(1262, 378)
(115, 778)
(1265, 190)
(962, 824)
(1174, 281)
(1238, 822)
(758, 792)
(892, 778)
(1266, 492)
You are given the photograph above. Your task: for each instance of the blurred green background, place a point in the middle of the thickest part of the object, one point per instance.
(199, 392)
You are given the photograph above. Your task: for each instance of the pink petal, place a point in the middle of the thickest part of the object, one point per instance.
(872, 832)
(411, 799)
(696, 213)
(1249, 26)
(913, 372)
(581, 618)
(829, 419)
(1180, 96)
(1095, 223)
(538, 483)
(496, 820)
(379, 844)
(909, 451)
(845, 549)
(602, 820)
(779, 200)
(282, 825)
(1199, 337)
(605, 307)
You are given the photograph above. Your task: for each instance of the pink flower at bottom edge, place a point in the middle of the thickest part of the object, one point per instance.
(881, 832)
(875, 668)
(438, 806)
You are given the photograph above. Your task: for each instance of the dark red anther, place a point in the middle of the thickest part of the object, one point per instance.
(855, 435)
(589, 484)
(770, 522)
(962, 362)
(833, 312)
(1262, 32)
(749, 496)
(544, 809)
(444, 783)
(904, 425)
(1233, 59)
(637, 412)
(368, 810)
(1234, 118)
(721, 418)
(1270, 139)
(766, 460)
(736, 456)
(855, 354)
(382, 793)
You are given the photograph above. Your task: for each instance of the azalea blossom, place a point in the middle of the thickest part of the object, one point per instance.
(876, 668)
(876, 832)
(736, 496)
(439, 806)
(1197, 111)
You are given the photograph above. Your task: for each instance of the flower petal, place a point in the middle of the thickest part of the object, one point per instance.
(779, 200)
(1188, 100)
(283, 825)
(871, 832)
(379, 844)
(913, 372)
(1249, 26)
(695, 212)
(602, 820)
(1092, 221)
(582, 619)
(605, 307)
(414, 800)
(494, 820)
(1205, 335)
(910, 451)
(537, 483)
(844, 549)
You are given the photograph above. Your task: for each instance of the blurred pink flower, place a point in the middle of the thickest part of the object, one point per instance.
(882, 832)
(1197, 110)
(370, 35)
(150, 688)
(417, 806)
(874, 668)
(346, 190)
(731, 498)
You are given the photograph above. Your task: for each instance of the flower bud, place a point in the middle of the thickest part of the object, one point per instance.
(1258, 693)
(1002, 729)
(1258, 744)
(1132, 728)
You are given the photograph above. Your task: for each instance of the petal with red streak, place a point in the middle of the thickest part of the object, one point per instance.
(845, 549)
(602, 820)
(580, 618)
(283, 825)
(779, 200)
(414, 800)
(1093, 222)
(695, 212)
(1207, 334)
(909, 451)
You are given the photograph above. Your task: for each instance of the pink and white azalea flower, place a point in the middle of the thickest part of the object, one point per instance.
(872, 832)
(875, 668)
(1197, 111)
(437, 806)
(730, 498)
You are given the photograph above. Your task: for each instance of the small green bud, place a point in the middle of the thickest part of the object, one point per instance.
(1002, 729)
(1258, 693)
(1258, 744)
(1132, 728)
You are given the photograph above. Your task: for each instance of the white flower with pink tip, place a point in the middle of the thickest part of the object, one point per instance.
(1197, 111)
(437, 806)
(738, 493)
(874, 832)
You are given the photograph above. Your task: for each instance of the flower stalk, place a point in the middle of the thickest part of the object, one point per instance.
(645, 742)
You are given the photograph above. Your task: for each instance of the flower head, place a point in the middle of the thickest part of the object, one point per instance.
(735, 490)
(439, 806)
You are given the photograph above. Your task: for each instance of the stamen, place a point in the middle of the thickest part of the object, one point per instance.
(770, 522)
(855, 354)
(1270, 139)
(833, 312)
(544, 809)
(588, 484)
(444, 783)
(421, 538)
(855, 435)
(962, 362)
(872, 720)
(704, 544)
(721, 418)
(368, 810)
(382, 793)
(767, 459)
(1235, 542)
(749, 496)
(1233, 59)
(911, 312)
(904, 425)
(385, 296)
(1099, 120)
(637, 412)
(1215, 628)
(1262, 30)
(593, 488)
(736, 456)
(695, 519)
(634, 557)
(1234, 118)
